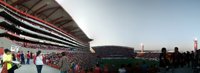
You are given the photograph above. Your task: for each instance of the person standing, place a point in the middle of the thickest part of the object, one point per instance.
(163, 61)
(38, 61)
(31, 55)
(77, 68)
(192, 57)
(22, 58)
(18, 56)
(97, 69)
(176, 58)
(7, 60)
(28, 56)
(73, 67)
(122, 69)
(63, 64)
(14, 57)
(105, 69)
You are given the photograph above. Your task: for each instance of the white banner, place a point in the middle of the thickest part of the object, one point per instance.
(15, 48)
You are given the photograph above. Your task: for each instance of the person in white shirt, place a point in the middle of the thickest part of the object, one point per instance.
(122, 69)
(38, 61)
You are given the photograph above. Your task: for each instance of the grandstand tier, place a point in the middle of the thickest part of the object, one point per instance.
(30, 22)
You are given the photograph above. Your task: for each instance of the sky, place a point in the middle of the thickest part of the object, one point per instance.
(155, 23)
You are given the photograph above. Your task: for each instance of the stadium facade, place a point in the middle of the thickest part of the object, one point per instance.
(40, 24)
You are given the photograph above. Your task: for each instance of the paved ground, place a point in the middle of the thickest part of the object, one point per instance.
(32, 69)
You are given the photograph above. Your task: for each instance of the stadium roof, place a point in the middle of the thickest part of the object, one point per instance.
(52, 12)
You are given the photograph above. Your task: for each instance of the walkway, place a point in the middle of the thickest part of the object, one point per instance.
(32, 69)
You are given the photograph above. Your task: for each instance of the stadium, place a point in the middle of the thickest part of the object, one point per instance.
(44, 31)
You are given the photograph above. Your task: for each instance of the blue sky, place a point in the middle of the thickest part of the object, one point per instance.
(155, 23)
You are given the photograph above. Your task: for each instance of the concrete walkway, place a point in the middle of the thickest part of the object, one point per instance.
(32, 69)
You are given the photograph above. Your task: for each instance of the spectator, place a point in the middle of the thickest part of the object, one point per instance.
(18, 56)
(192, 59)
(105, 69)
(22, 58)
(28, 56)
(63, 65)
(38, 61)
(13, 57)
(31, 55)
(122, 69)
(163, 61)
(188, 58)
(7, 59)
(176, 58)
(97, 69)
(197, 59)
(77, 68)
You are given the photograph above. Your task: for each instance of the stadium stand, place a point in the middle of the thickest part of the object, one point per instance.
(24, 25)
(25, 29)
(86, 60)
(114, 51)
(44, 25)
(149, 56)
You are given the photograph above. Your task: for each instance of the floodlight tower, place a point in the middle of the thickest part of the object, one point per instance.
(195, 44)
(142, 47)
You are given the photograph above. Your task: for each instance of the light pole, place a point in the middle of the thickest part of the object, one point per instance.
(142, 47)
(195, 44)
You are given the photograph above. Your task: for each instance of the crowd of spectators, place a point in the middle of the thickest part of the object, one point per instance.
(149, 56)
(36, 46)
(139, 67)
(170, 61)
(85, 60)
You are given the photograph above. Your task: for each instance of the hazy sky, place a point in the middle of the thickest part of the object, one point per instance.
(155, 23)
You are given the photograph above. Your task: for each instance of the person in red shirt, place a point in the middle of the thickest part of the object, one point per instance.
(18, 56)
(82, 70)
(97, 69)
(28, 56)
(105, 70)
(77, 68)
